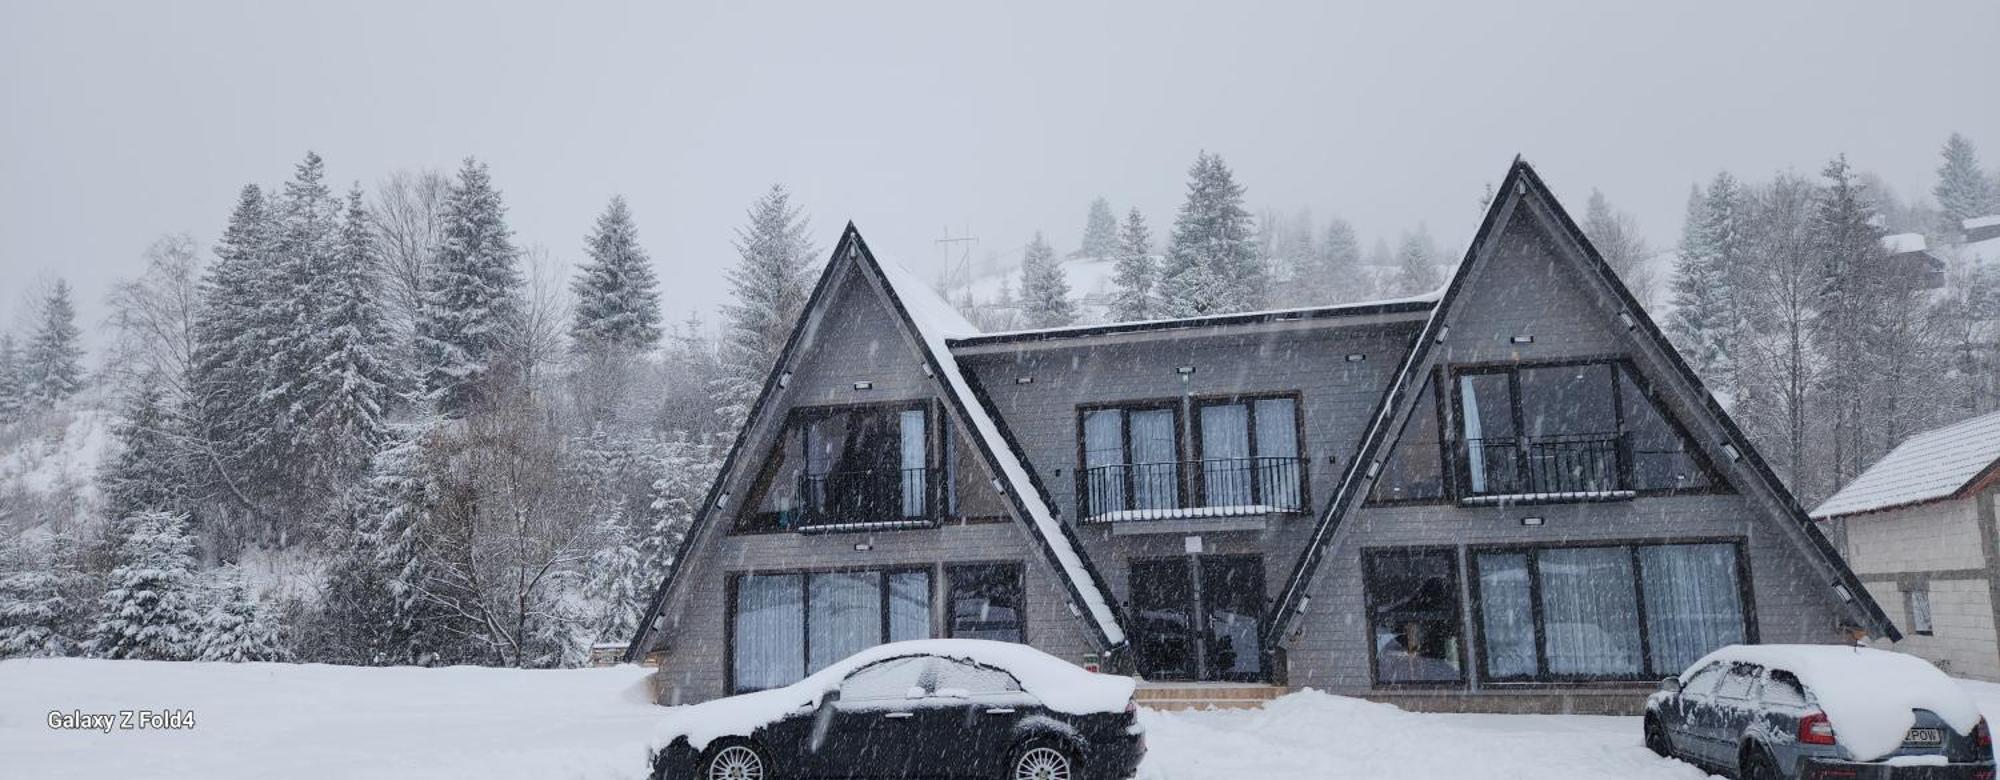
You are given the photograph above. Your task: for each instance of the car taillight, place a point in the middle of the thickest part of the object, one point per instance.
(1815, 729)
(1982, 774)
(1132, 709)
(1982, 736)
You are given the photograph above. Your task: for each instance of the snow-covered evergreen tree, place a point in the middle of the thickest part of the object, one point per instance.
(349, 392)
(148, 472)
(1848, 243)
(1962, 190)
(770, 282)
(618, 581)
(237, 627)
(13, 391)
(37, 617)
(151, 610)
(1705, 318)
(1417, 269)
(1616, 236)
(1336, 268)
(1044, 287)
(234, 347)
(401, 534)
(617, 297)
(472, 300)
(686, 469)
(1100, 231)
(53, 361)
(1212, 265)
(1137, 272)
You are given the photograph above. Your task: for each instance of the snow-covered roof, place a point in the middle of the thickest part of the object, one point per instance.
(1928, 466)
(935, 322)
(1899, 243)
(1867, 694)
(1980, 222)
(1059, 685)
(1066, 331)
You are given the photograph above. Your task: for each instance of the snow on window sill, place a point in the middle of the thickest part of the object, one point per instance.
(1189, 513)
(1548, 498)
(873, 525)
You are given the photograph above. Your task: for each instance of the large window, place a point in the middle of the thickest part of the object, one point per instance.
(1414, 470)
(1413, 616)
(842, 466)
(785, 626)
(1606, 612)
(1566, 429)
(1247, 458)
(985, 601)
(1249, 452)
(1131, 459)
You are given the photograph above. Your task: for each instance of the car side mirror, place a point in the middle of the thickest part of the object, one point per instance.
(1671, 685)
(830, 697)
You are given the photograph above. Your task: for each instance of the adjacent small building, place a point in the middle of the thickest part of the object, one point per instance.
(1921, 534)
(1508, 494)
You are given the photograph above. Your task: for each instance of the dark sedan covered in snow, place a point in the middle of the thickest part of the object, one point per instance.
(1819, 712)
(930, 708)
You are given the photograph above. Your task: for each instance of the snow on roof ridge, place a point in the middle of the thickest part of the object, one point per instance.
(1980, 222)
(1927, 466)
(1900, 243)
(934, 319)
(1429, 297)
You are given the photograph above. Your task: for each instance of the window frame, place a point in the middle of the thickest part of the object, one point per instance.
(1911, 592)
(1195, 473)
(1182, 488)
(1458, 575)
(1447, 493)
(1452, 434)
(733, 579)
(948, 586)
(1475, 611)
(747, 520)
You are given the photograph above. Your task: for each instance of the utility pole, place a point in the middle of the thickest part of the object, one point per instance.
(962, 268)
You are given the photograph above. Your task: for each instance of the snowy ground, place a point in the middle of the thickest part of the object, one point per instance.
(309, 721)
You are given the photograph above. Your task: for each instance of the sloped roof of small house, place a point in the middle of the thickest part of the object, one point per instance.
(1935, 465)
(1900, 243)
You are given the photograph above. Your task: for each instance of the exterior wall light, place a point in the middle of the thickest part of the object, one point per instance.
(864, 385)
(1531, 521)
(1523, 339)
(1356, 357)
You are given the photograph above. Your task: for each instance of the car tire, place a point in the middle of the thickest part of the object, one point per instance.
(1041, 760)
(1756, 765)
(734, 760)
(1656, 738)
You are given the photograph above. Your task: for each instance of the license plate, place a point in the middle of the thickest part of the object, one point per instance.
(1924, 737)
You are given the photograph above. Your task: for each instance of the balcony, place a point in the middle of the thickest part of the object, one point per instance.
(863, 499)
(1192, 489)
(1526, 469)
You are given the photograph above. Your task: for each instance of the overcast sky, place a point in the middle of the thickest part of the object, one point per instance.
(121, 122)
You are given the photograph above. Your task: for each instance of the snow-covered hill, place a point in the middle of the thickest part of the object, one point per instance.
(48, 467)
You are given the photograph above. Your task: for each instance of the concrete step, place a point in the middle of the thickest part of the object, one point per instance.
(1177, 705)
(1171, 696)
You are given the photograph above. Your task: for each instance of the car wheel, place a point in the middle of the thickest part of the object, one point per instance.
(1756, 765)
(1041, 761)
(1656, 739)
(735, 761)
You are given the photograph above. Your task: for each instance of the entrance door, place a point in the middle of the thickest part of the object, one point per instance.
(1198, 617)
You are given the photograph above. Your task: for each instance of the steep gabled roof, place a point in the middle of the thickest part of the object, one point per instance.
(1522, 182)
(926, 320)
(1934, 465)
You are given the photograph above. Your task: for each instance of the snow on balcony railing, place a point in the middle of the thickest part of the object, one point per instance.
(1176, 490)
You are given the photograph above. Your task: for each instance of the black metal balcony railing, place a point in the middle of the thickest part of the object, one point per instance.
(1569, 464)
(863, 497)
(1195, 488)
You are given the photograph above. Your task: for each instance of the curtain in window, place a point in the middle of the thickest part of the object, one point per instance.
(1278, 467)
(1104, 460)
(1589, 611)
(770, 631)
(1693, 604)
(846, 615)
(909, 605)
(915, 456)
(1156, 478)
(1507, 616)
(1476, 441)
(1225, 454)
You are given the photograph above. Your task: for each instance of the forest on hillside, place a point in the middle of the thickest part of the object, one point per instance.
(368, 428)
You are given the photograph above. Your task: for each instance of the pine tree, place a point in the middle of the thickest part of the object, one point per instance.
(1417, 269)
(349, 392)
(1963, 191)
(618, 581)
(1848, 243)
(617, 298)
(293, 308)
(771, 281)
(1100, 231)
(53, 360)
(13, 391)
(1707, 273)
(1045, 287)
(151, 611)
(237, 628)
(686, 469)
(37, 618)
(1212, 265)
(148, 472)
(1615, 234)
(400, 532)
(1332, 273)
(472, 299)
(234, 349)
(1136, 273)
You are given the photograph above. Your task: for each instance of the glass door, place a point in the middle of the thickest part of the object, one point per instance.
(1163, 618)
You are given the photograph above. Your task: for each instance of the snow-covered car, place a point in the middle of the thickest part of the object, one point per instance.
(1762, 712)
(928, 708)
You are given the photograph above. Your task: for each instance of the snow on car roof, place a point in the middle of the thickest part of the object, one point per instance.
(1928, 466)
(1867, 694)
(935, 321)
(1059, 685)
